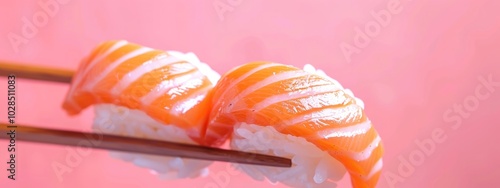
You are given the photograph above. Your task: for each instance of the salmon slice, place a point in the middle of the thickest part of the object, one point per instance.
(302, 104)
(169, 89)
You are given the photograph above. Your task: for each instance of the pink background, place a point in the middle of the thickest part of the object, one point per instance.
(427, 59)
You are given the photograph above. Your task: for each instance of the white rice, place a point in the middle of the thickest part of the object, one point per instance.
(311, 167)
(118, 120)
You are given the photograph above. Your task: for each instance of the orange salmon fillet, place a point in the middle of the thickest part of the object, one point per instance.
(167, 88)
(302, 104)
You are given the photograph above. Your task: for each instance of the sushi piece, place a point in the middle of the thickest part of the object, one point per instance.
(141, 92)
(281, 110)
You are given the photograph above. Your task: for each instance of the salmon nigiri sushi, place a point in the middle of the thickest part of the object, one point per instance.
(141, 92)
(304, 115)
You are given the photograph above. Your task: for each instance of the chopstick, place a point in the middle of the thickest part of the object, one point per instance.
(136, 145)
(119, 143)
(35, 72)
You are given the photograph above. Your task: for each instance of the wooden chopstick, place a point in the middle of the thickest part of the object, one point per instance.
(21, 70)
(119, 143)
(136, 145)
